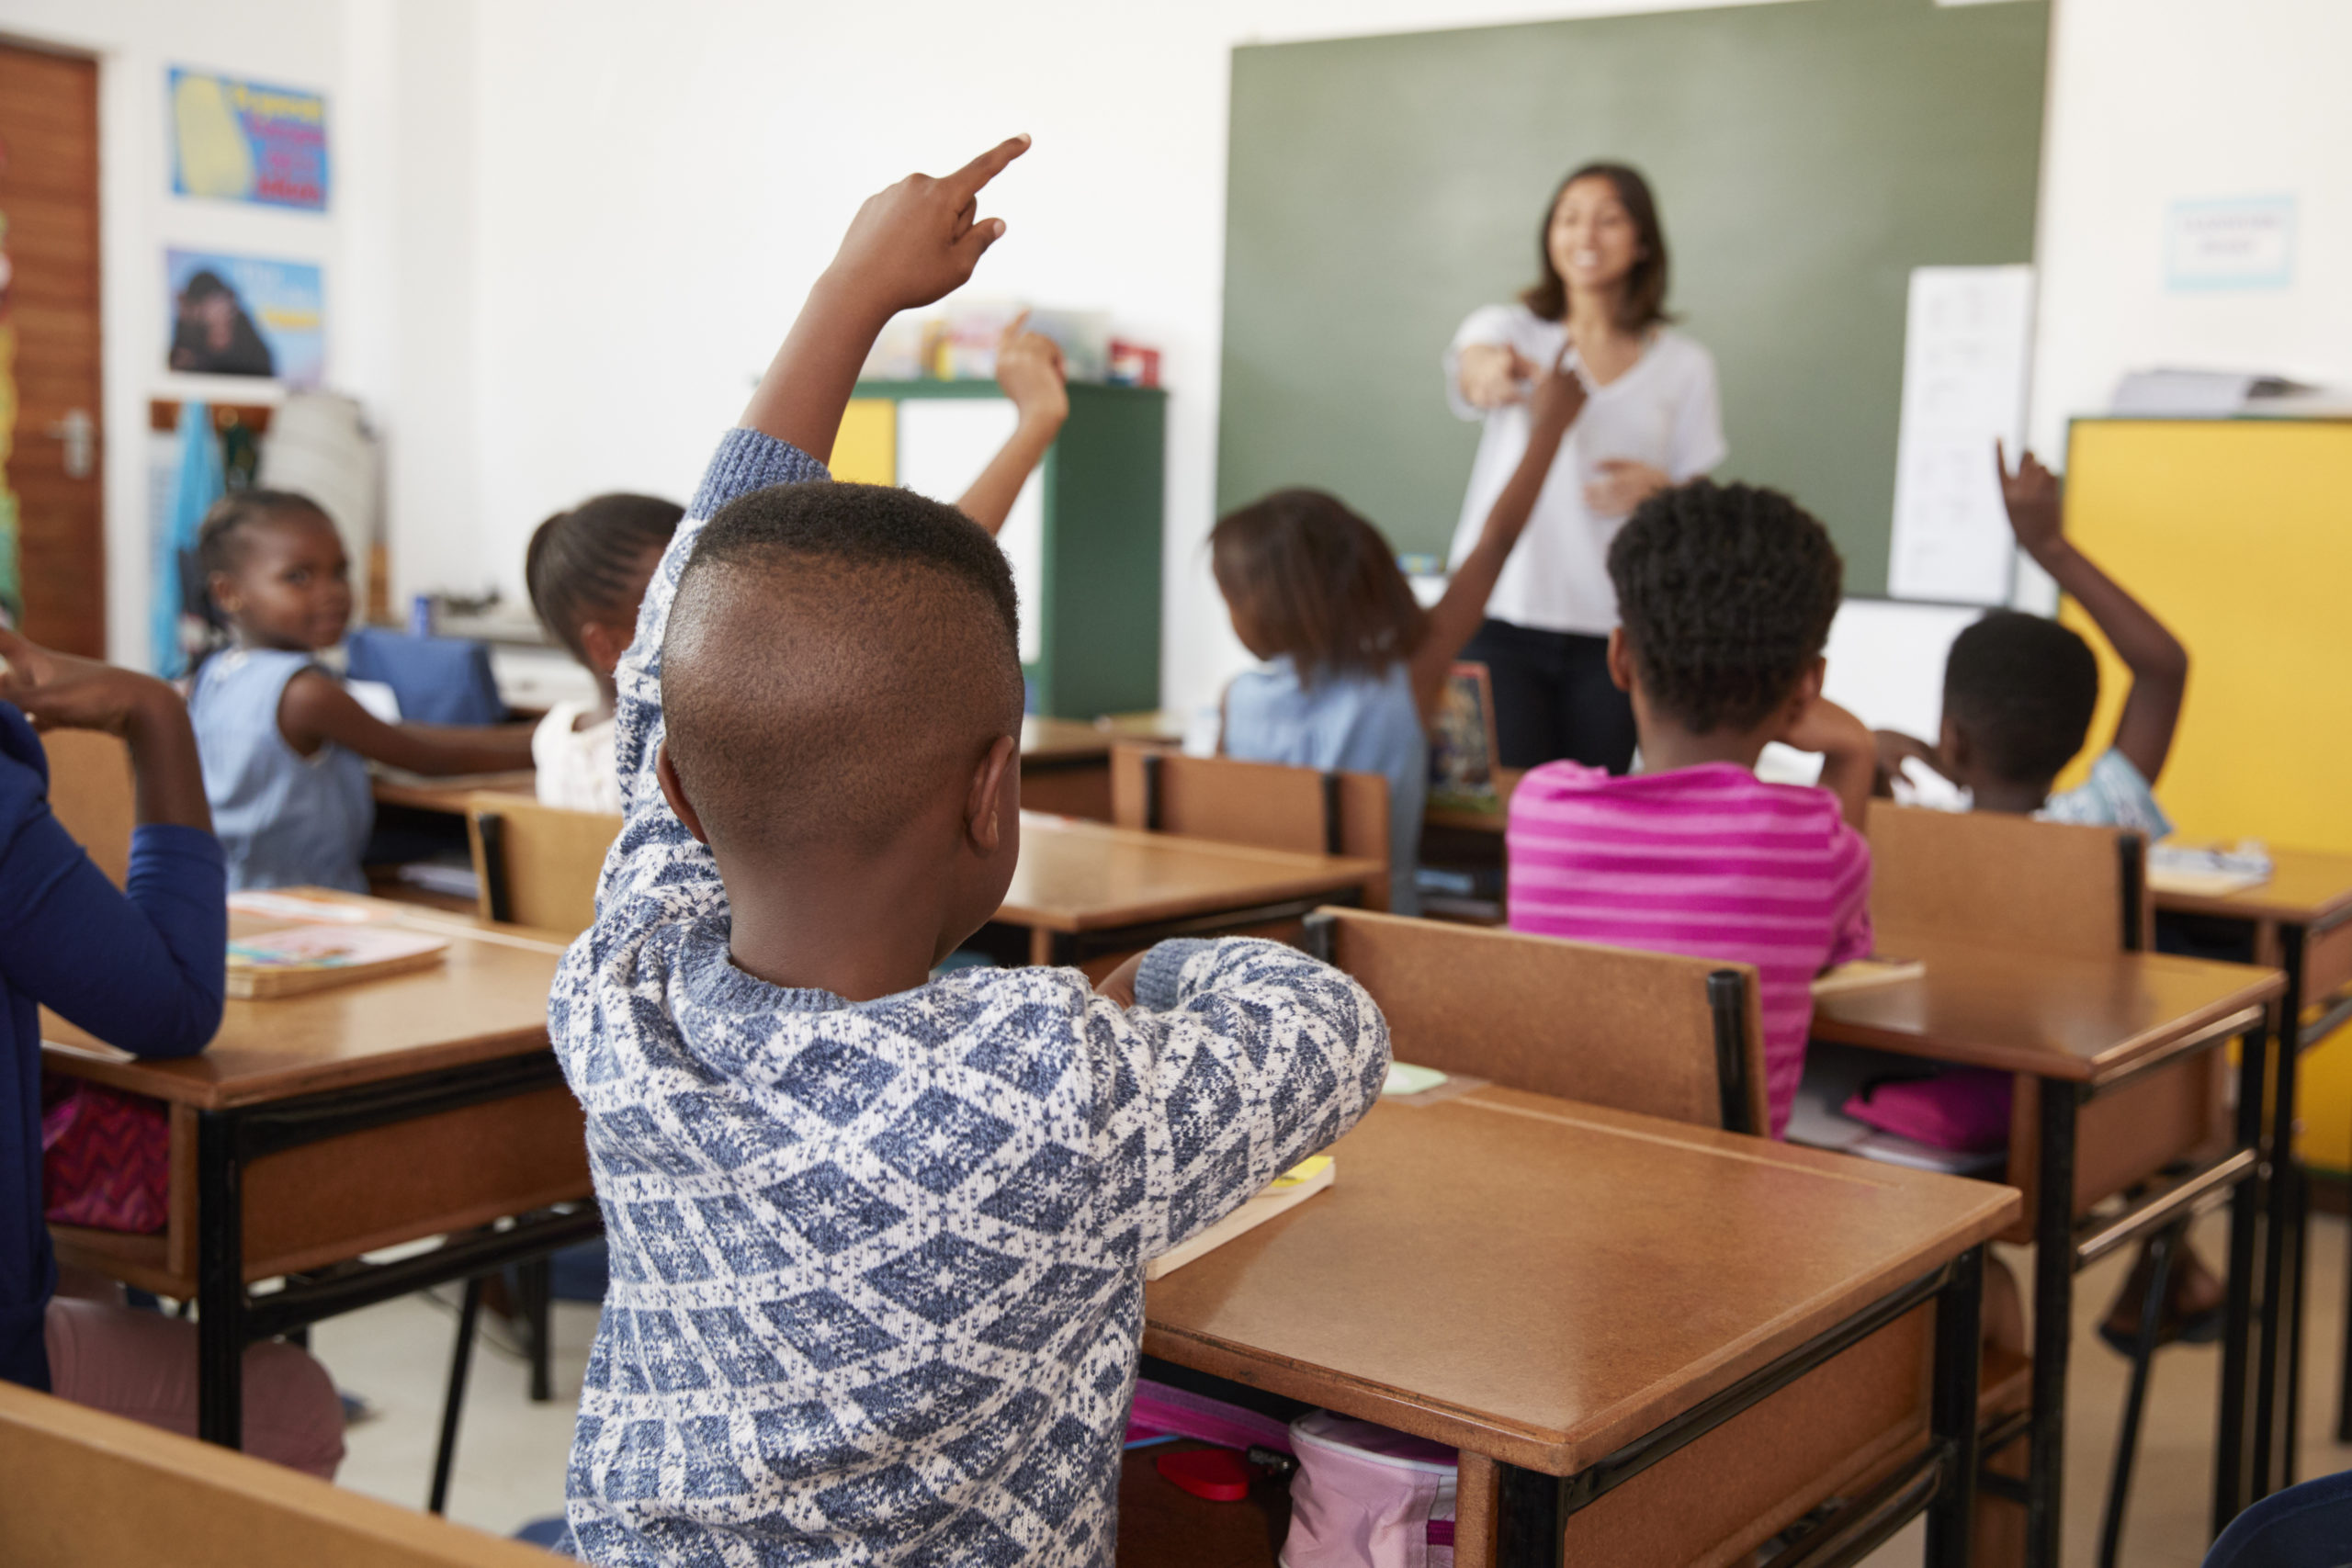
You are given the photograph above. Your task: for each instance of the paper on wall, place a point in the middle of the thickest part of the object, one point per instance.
(1965, 341)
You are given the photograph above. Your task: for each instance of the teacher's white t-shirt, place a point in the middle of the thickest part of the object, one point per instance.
(1662, 412)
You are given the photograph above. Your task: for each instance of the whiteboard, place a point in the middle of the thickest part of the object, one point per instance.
(1966, 334)
(943, 444)
(1886, 661)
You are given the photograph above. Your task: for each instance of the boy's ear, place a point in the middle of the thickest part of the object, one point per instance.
(1621, 660)
(603, 644)
(675, 792)
(1952, 746)
(995, 790)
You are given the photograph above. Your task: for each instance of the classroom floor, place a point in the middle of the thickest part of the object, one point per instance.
(511, 1452)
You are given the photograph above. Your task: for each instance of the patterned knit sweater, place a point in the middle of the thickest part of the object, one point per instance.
(876, 1289)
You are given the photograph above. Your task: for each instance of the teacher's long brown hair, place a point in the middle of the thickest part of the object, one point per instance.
(1643, 304)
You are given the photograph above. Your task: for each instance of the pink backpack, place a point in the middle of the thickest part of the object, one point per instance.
(1366, 1496)
(105, 1159)
(1966, 1108)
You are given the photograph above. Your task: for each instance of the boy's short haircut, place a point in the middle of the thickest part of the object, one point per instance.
(834, 654)
(580, 563)
(1726, 593)
(2023, 688)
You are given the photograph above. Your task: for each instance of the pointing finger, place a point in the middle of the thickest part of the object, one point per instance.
(967, 182)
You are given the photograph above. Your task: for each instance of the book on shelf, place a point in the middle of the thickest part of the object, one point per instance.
(312, 958)
(1281, 1195)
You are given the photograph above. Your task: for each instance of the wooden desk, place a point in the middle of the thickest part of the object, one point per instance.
(2112, 1041)
(1087, 889)
(1570, 1295)
(449, 796)
(317, 1128)
(1066, 768)
(2300, 920)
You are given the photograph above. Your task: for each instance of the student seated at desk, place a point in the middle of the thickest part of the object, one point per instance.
(1726, 594)
(142, 968)
(587, 570)
(877, 1239)
(2019, 694)
(285, 747)
(1355, 670)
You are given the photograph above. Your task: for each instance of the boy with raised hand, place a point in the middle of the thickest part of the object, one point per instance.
(877, 1239)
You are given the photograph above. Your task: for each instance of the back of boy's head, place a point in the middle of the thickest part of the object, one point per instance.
(1726, 593)
(583, 563)
(2022, 689)
(837, 655)
(228, 528)
(1316, 582)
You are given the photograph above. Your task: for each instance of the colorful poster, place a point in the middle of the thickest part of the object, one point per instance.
(242, 141)
(245, 316)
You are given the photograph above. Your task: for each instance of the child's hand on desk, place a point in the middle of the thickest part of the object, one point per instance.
(57, 691)
(1119, 985)
(920, 239)
(1029, 369)
(2035, 501)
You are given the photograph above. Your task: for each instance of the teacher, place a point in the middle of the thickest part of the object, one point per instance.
(1651, 421)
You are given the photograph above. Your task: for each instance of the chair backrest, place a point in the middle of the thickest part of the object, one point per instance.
(87, 1488)
(1648, 1032)
(91, 795)
(2006, 881)
(439, 680)
(1263, 804)
(537, 864)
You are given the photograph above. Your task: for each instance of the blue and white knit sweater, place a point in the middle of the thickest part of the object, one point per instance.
(876, 1289)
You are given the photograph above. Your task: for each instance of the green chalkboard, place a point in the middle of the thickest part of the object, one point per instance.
(1806, 156)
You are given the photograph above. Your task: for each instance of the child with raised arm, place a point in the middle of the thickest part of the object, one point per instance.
(1355, 670)
(877, 1239)
(587, 570)
(286, 748)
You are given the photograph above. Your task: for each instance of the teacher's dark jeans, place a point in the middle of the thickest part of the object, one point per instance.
(1554, 698)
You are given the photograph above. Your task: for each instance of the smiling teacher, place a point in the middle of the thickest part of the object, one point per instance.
(1651, 421)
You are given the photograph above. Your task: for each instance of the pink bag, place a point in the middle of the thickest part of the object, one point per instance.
(106, 1159)
(1366, 1496)
(1966, 1108)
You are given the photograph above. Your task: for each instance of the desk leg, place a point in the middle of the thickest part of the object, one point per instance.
(2053, 1311)
(219, 1281)
(1530, 1520)
(2230, 1469)
(2279, 1187)
(1953, 1418)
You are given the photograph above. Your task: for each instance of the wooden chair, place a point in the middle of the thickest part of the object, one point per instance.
(1655, 1032)
(537, 864)
(91, 794)
(1999, 880)
(88, 1487)
(1264, 804)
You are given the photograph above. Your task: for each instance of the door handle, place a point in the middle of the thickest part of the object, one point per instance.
(80, 433)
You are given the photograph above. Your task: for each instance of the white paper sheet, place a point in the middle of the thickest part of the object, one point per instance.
(943, 443)
(1964, 365)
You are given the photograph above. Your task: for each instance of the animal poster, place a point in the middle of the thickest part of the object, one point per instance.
(245, 316)
(242, 141)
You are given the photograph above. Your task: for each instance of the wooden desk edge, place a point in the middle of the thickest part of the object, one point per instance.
(154, 1080)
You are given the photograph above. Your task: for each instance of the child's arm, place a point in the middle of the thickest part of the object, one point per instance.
(1029, 369)
(2159, 665)
(908, 246)
(315, 708)
(1894, 749)
(1558, 397)
(141, 967)
(1243, 1058)
(1848, 750)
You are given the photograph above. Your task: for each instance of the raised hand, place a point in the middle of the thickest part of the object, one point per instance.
(1493, 375)
(2035, 501)
(1559, 397)
(1029, 367)
(920, 239)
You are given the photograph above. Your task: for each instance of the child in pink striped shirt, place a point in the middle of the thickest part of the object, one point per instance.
(1725, 594)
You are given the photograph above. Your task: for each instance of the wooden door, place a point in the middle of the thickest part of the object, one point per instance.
(50, 448)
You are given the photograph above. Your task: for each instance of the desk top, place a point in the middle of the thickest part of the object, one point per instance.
(1078, 877)
(488, 999)
(1543, 1282)
(2306, 887)
(451, 795)
(2055, 1017)
(1494, 821)
(1063, 740)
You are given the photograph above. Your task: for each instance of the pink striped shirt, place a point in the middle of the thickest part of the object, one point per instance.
(1710, 861)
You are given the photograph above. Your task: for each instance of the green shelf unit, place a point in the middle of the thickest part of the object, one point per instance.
(1097, 614)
